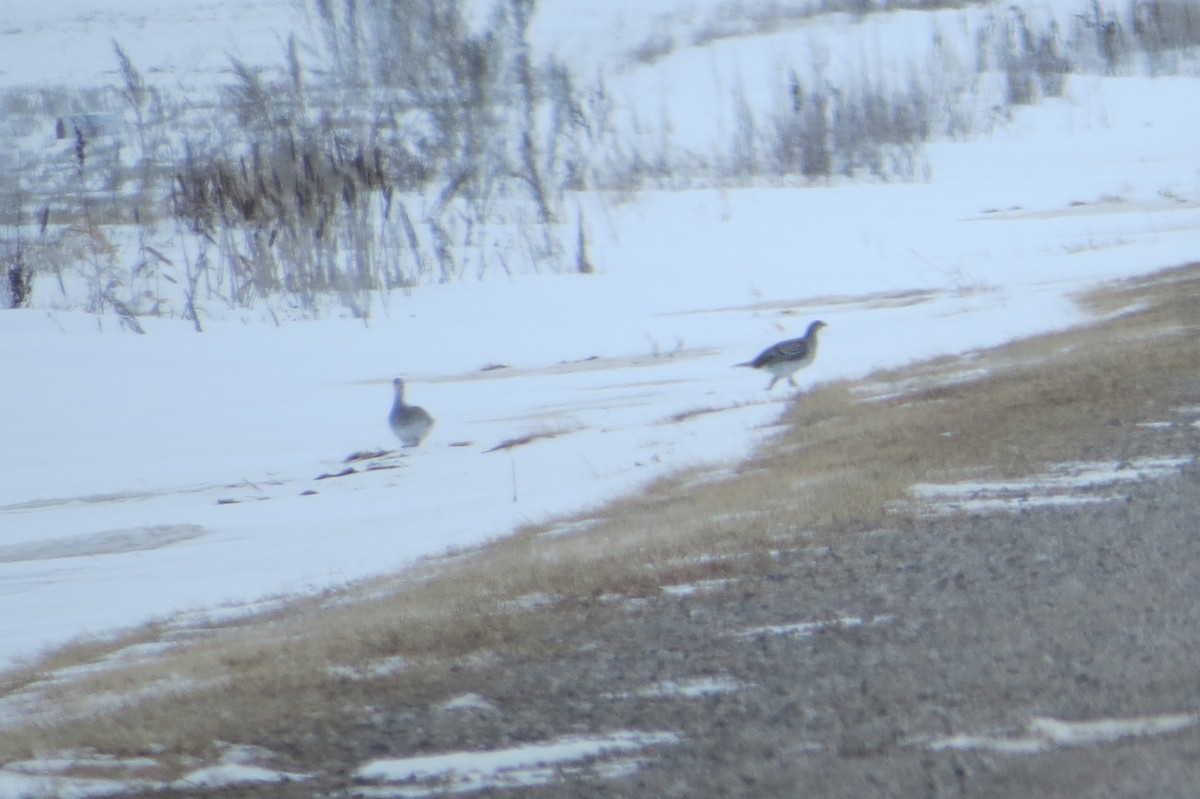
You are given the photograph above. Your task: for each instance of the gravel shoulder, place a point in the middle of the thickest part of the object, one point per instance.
(966, 626)
(1046, 651)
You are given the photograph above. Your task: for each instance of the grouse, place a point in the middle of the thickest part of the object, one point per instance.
(410, 423)
(787, 357)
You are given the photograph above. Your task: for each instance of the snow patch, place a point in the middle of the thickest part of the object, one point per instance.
(807, 628)
(1044, 733)
(566, 529)
(469, 702)
(372, 669)
(228, 774)
(64, 762)
(1059, 485)
(529, 602)
(26, 786)
(37, 703)
(688, 689)
(516, 767)
(688, 589)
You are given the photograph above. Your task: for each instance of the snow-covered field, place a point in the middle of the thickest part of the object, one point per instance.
(143, 476)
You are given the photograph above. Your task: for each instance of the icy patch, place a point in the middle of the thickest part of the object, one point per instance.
(517, 767)
(1060, 485)
(110, 542)
(227, 774)
(688, 689)
(48, 778)
(984, 505)
(529, 602)
(48, 698)
(372, 669)
(469, 702)
(905, 388)
(739, 516)
(63, 762)
(240, 764)
(188, 621)
(43, 702)
(805, 629)
(52, 777)
(116, 660)
(1046, 733)
(37, 786)
(567, 529)
(687, 589)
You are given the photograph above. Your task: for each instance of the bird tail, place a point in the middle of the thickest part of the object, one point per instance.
(745, 363)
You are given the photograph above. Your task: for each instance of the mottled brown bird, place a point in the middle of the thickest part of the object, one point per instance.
(788, 357)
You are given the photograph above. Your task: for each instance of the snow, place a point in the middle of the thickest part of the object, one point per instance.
(516, 767)
(807, 628)
(24, 786)
(689, 589)
(372, 669)
(51, 765)
(180, 44)
(1073, 483)
(177, 476)
(469, 702)
(687, 689)
(148, 475)
(227, 774)
(48, 776)
(1043, 733)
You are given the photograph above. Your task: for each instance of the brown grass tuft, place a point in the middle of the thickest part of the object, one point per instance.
(520, 441)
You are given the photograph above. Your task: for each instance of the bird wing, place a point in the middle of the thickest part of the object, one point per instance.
(790, 350)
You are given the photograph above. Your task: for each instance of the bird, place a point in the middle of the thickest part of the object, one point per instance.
(410, 423)
(787, 357)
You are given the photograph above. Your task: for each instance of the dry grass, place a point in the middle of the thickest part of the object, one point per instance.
(848, 456)
(528, 438)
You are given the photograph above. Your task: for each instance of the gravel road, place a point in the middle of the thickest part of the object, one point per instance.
(1048, 651)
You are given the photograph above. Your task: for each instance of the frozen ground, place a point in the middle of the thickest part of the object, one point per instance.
(198, 476)
(179, 45)
(1046, 650)
(145, 475)
(142, 476)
